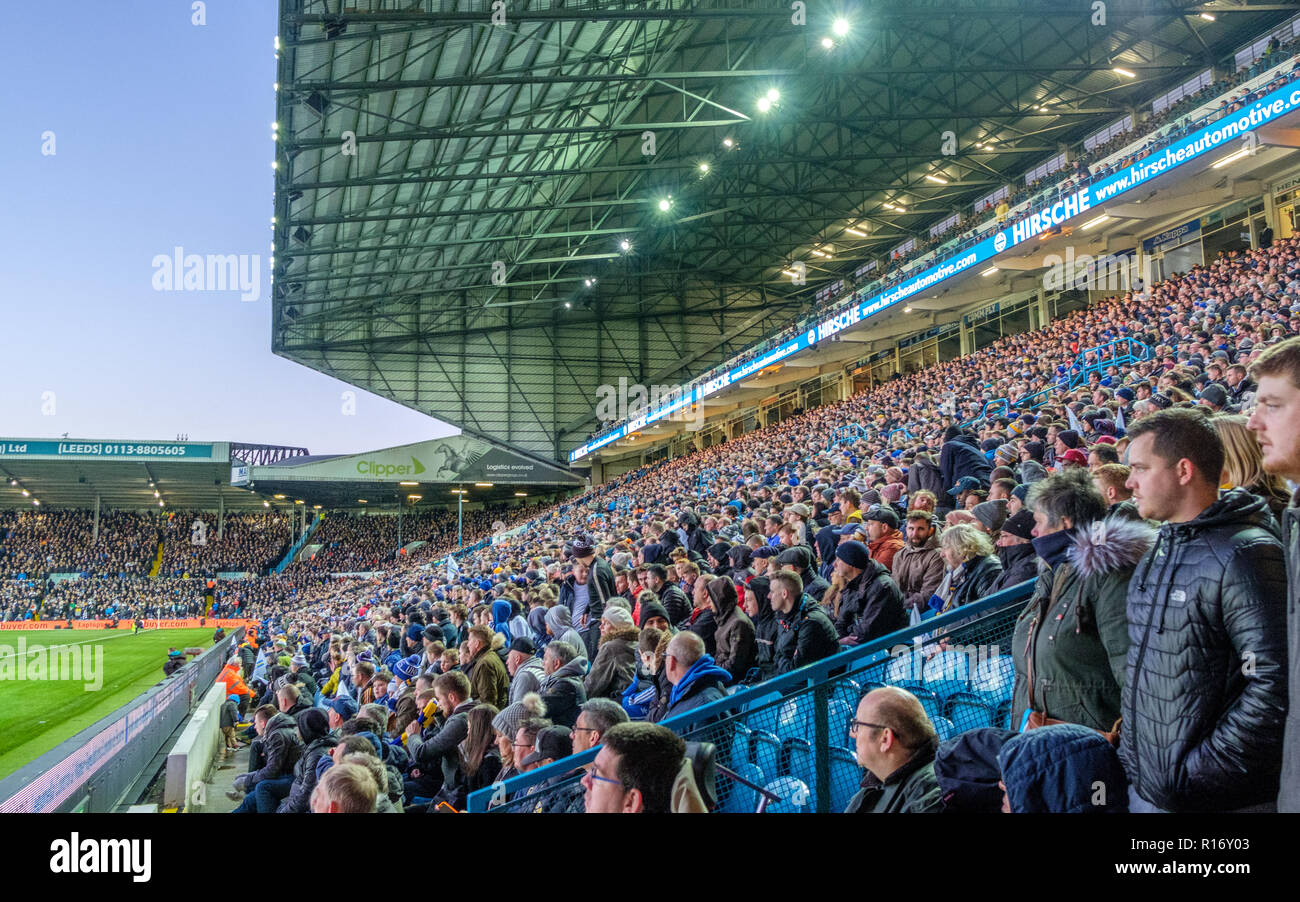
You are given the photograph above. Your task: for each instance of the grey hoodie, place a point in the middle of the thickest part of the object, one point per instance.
(528, 678)
(561, 624)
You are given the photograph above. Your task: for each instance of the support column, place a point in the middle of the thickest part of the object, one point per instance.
(1041, 306)
(966, 339)
(221, 516)
(95, 534)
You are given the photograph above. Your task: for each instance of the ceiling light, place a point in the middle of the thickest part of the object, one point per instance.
(728, 143)
(279, 497)
(704, 167)
(361, 501)
(625, 245)
(300, 501)
(37, 502)
(521, 494)
(414, 497)
(990, 271)
(484, 485)
(266, 504)
(764, 104)
(907, 309)
(26, 494)
(773, 95)
(841, 27)
(665, 204)
(568, 306)
(408, 483)
(790, 273)
(1207, 17)
(1124, 72)
(936, 179)
(821, 253)
(1231, 158)
(1093, 222)
(315, 507)
(853, 231)
(156, 495)
(827, 43)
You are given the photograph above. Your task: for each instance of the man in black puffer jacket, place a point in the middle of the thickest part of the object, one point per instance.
(961, 456)
(314, 728)
(1204, 696)
(870, 604)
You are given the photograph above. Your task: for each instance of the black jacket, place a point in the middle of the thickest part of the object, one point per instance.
(803, 636)
(924, 476)
(961, 456)
(281, 747)
(1019, 563)
(437, 755)
(912, 789)
(304, 775)
(1204, 696)
(871, 605)
(675, 603)
(564, 692)
(979, 576)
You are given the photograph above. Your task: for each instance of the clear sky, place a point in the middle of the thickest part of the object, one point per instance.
(161, 139)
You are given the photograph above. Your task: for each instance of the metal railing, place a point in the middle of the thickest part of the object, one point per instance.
(92, 770)
(790, 734)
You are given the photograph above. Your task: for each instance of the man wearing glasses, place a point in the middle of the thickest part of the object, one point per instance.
(895, 744)
(634, 770)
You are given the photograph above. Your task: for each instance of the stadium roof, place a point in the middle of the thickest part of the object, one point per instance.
(453, 195)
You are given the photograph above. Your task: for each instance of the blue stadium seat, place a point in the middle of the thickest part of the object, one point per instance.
(846, 777)
(741, 799)
(968, 711)
(793, 719)
(993, 679)
(838, 715)
(946, 673)
(794, 794)
(943, 726)
(901, 670)
(796, 755)
(740, 745)
(765, 718)
(929, 701)
(765, 749)
(847, 691)
(872, 672)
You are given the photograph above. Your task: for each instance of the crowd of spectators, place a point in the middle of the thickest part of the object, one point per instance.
(245, 543)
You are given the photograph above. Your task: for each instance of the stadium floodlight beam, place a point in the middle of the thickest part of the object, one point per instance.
(828, 43)
(625, 245)
(1124, 72)
(764, 104)
(665, 204)
(841, 27)
(704, 168)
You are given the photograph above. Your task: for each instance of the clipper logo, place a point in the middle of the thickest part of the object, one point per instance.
(103, 856)
(1000, 242)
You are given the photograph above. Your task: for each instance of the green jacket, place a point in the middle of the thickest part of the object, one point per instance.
(1074, 630)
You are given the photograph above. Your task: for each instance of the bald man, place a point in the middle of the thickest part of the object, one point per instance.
(896, 743)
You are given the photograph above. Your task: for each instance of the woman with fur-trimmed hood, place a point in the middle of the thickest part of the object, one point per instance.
(1071, 640)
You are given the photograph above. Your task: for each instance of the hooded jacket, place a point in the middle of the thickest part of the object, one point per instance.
(437, 755)
(1074, 630)
(912, 789)
(281, 747)
(961, 456)
(735, 638)
(558, 619)
(918, 572)
(924, 476)
(315, 733)
(698, 539)
(615, 666)
(703, 683)
(528, 678)
(1208, 599)
(1056, 770)
(501, 611)
(564, 692)
(871, 605)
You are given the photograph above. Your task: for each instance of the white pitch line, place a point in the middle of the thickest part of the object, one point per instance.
(119, 634)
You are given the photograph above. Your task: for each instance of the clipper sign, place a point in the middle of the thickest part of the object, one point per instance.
(1221, 135)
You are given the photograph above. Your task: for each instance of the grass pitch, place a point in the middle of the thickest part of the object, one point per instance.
(37, 716)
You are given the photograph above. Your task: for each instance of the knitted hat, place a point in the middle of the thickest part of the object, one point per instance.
(617, 616)
(1068, 437)
(855, 554)
(507, 722)
(991, 514)
(1021, 524)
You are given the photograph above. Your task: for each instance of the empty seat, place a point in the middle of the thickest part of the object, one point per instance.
(969, 711)
(764, 712)
(929, 701)
(946, 673)
(793, 794)
(766, 751)
(993, 678)
(740, 746)
(838, 715)
(944, 728)
(847, 691)
(846, 777)
(797, 758)
(793, 719)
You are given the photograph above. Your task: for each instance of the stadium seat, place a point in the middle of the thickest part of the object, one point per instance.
(993, 679)
(969, 711)
(797, 758)
(1004, 716)
(944, 728)
(740, 799)
(793, 720)
(846, 777)
(932, 704)
(741, 753)
(838, 715)
(793, 794)
(946, 673)
(765, 749)
(766, 711)
(848, 691)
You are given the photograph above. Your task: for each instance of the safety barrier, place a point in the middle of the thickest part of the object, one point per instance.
(790, 734)
(189, 759)
(316, 520)
(92, 770)
(125, 624)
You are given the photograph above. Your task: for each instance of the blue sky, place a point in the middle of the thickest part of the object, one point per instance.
(162, 138)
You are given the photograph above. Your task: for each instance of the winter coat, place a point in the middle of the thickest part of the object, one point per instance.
(1057, 769)
(918, 572)
(488, 680)
(912, 789)
(436, 755)
(703, 683)
(1204, 697)
(1019, 563)
(870, 605)
(559, 620)
(803, 636)
(978, 576)
(304, 775)
(735, 639)
(961, 456)
(1074, 630)
(564, 692)
(765, 626)
(615, 664)
(885, 548)
(281, 749)
(675, 603)
(528, 678)
(924, 476)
